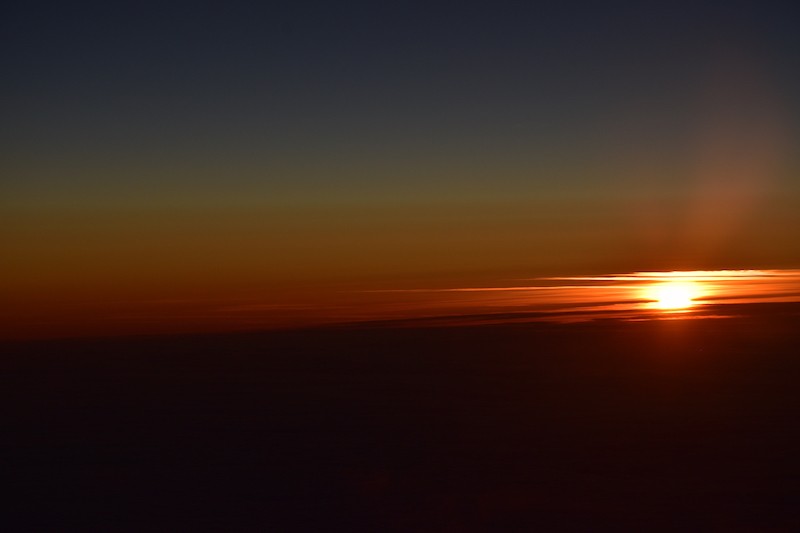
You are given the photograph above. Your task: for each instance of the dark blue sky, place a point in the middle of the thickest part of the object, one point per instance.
(406, 82)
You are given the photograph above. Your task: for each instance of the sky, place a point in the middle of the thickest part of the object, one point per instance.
(282, 155)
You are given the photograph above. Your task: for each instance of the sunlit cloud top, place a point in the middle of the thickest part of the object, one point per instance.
(704, 275)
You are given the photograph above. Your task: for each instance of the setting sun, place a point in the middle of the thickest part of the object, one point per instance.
(673, 295)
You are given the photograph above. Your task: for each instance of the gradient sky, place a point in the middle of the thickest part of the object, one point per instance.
(281, 154)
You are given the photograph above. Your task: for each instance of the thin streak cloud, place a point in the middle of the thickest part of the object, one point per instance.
(626, 296)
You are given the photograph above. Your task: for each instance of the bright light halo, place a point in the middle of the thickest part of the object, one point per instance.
(673, 295)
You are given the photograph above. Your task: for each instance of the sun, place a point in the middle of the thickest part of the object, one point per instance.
(673, 295)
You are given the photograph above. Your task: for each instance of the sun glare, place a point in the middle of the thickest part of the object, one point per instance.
(673, 295)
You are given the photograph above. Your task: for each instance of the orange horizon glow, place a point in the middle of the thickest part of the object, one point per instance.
(625, 297)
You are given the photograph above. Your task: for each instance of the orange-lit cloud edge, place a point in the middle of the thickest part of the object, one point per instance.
(624, 297)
